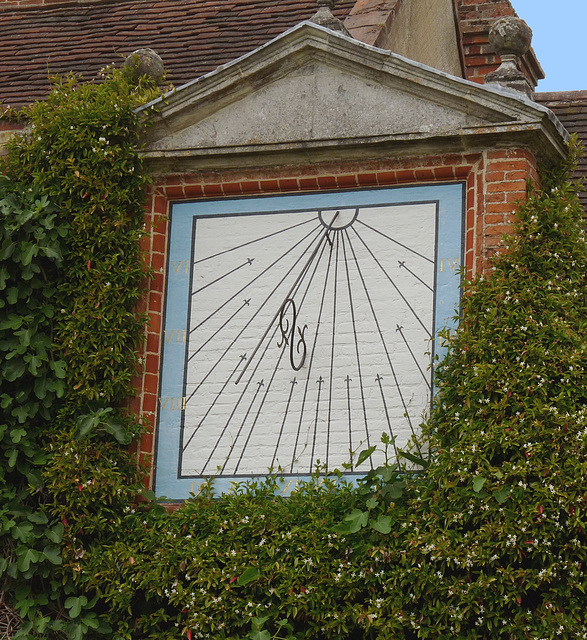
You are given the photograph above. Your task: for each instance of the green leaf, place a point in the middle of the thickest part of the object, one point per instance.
(258, 634)
(502, 494)
(30, 250)
(22, 531)
(16, 435)
(55, 534)
(14, 369)
(382, 524)
(12, 458)
(12, 322)
(38, 517)
(421, 462)
(248, 575)
(75, 605)
(3, 277)
(52, 554)
(59, 368)
(116, 429)
(478, 483)
(394, 490)
(85, 425)
(258, 622)
(25, 559)
(372, 503)
(50, 252)
(354, 521)
(366, 453)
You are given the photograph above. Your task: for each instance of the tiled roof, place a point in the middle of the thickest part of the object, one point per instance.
(192, 36)
(571, 109)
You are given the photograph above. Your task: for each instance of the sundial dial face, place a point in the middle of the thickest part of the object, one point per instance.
(298, 329)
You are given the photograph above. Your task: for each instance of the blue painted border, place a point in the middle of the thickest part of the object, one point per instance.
(450, 242)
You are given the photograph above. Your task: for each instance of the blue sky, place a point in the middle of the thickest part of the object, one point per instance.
(560, 41)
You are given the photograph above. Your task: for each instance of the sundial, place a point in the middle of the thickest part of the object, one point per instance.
(300, 328)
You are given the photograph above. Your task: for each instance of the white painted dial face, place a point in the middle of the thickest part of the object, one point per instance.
(300, 335)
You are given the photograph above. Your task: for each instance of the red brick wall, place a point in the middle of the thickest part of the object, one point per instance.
(495, 183)
(476, 17)
(475, 20)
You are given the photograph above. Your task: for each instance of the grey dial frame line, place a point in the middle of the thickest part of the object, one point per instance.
(281, 306)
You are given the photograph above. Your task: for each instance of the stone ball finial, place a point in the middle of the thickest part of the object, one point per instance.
(511, 38)
(145, 62)
(325, 18)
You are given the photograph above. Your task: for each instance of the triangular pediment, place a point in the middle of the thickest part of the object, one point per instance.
(311, 88)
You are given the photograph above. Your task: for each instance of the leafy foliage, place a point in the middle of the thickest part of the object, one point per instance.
(71, 273)
(495, 545)
(31, 380)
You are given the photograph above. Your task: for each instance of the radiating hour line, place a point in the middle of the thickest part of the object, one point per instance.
(378, 379)
(260, 384)
(267, 389)
(402, 296)
(311, 357)
(211, 406)
(248, 262)
(334, 323)
(402, 265)
(396, 241)
(245, 304)
(269, 235)
(293, 384)
(319, 382)
(381, 335)
(243, 329)
(426, 378)
(348, 381)
(356, 340)
(243, 392)
(313, 231)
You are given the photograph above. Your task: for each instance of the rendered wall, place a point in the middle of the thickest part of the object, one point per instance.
(425, 31)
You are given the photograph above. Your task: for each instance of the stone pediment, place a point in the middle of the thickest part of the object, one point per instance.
(313, 90)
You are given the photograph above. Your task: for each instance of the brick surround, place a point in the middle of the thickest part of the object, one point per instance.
(495, 181)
